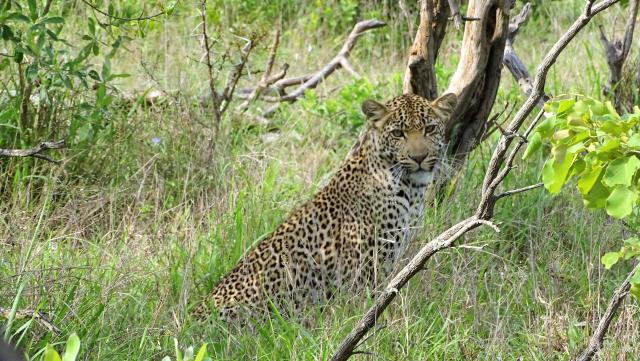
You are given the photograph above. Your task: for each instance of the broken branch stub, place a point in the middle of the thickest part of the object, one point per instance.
(511, 59)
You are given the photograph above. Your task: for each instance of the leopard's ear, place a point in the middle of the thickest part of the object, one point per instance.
(444, 105)
(375, 112)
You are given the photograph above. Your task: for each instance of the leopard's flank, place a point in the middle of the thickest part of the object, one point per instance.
(354, 230)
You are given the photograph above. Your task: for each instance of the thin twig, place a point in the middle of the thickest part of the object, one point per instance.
(519, 190)
(140, 18)
(267, 79)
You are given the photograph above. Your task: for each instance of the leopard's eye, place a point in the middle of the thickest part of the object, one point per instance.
(398, 133)
(429, 129)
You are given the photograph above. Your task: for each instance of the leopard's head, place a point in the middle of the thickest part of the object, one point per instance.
(409, 130)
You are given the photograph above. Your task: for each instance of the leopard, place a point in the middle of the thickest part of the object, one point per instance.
(354, 230)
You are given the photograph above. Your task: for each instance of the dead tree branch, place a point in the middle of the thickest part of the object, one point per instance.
(455, 14)
(511, 59)
(35, 151)
(339, 61)
(499, 167)
(37, 315)
(272, 88)
(617, 52)
(267, 79)
(597, 339)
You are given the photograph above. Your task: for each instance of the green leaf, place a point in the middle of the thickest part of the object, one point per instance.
(178, 353)
(73, 347)
(598, 108)
(554, 173)
(635, 279)
(621, 171)
(534, 144)
(612, 127)
(589, 177)
(597, 196)
(50, 354)
(564, 105)
(202, 353)
(52, 20)
(621, 201)
(612, 110)
(634, 141)
(609, 259)
(33, 10)
(633, 241)
(19, 17)
(635, 291)
(609, 145)
(545, 128)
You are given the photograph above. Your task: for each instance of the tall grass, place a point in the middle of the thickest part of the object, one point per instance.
(123, 239)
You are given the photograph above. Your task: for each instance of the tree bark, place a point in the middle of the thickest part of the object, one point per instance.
(420, 76)
(477, 76)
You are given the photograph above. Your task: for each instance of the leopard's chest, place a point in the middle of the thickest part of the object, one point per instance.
(402, 217)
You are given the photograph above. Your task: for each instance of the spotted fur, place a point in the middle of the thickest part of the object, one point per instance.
(354, 230)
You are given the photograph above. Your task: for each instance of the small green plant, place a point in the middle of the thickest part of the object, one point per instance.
(70, 353)
(343, 109)
(591, 143)
(188, 354)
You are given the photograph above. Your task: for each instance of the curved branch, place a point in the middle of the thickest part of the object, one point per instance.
(358, 30)
(140, 18)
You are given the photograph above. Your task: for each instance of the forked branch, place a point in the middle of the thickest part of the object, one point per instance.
(511, 59)
(484, 211)
(339, 61)
(617, 52)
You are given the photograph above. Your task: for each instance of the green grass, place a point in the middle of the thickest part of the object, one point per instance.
(119, 242)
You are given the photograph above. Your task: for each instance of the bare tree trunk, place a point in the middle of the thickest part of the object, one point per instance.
(420, 76)
(477, 76)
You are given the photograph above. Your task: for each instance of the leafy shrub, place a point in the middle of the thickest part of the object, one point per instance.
(53, 90)
(592, 143)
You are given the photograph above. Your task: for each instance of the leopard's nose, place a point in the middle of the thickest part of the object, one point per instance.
(418, 158)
